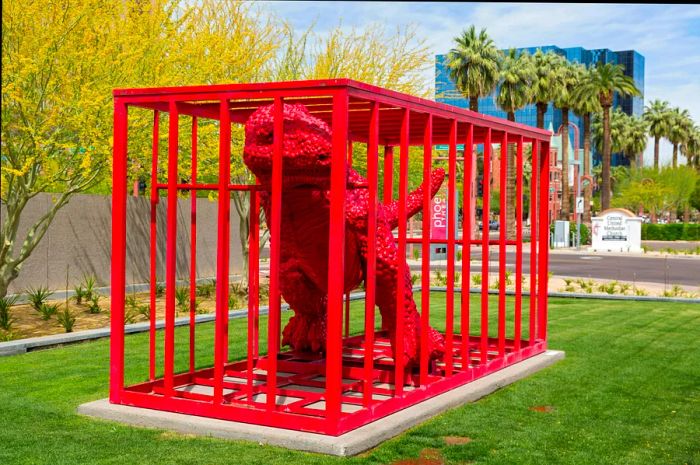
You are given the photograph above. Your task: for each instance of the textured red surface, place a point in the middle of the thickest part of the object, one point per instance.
(305, 223)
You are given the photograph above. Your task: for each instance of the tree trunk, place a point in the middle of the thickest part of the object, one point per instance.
(510, 188)
(686, 213)
(565, 200)
(656, 153)
(605, 187)
(588, 190)
(541, 110)
(675, 156)
(474, 103)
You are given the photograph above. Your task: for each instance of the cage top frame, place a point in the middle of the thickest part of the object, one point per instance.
(203, 102)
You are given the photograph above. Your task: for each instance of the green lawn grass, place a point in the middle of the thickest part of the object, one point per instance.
(628, 392)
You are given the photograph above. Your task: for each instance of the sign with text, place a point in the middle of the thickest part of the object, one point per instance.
(617, 230)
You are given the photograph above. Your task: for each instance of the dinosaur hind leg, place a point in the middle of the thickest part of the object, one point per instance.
(306, 330)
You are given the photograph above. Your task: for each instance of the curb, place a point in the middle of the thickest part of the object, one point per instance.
(21, 346)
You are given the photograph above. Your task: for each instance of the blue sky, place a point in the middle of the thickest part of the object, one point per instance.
(667, 35)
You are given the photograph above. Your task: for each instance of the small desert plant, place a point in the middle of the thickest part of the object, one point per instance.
(160, 290)
(206, 289)
(5, 313)
(130, 315)
(80, 294)
(476, 279)
(440, 279)
(509, 278)
(38, 296)
(66, 319)
(182, 297)
(677, 291)
(414, 278)
(233, 301)
(639, 291)
(47, 311)
(496, 284)
(88, 285)
(625, 287)
(608, 288)
(457, 276)
(459, 255)
(6, 336)
(94, 303)
(416, 254)
(568, 281)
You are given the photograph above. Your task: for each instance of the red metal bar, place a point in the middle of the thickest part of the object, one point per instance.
(273, 324)
(401, 253)
(467, 194)
(451, 219)
(347, 294)
(370, 276)
(425, 265)
(502, 248)
(486, 180)
(222, 257)
(253, 288)
(543, 250)
(193, 244)
(388, 191)
(519, 244)
(336, 262)
(171, 249)
(533, 240)
(153, 250)
(116, 348)
(210, 187)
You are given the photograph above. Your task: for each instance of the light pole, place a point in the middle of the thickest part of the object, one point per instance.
(577, 183)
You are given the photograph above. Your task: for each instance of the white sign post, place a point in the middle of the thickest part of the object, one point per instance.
(617, 230)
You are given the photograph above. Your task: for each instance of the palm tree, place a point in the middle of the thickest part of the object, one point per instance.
(634, 140)
(549, 79)
(571, 74)
(691, 149)
(679, 130)
(473, 65)
(657, 114)
(604, 82)
(585, 106)
(516, 77)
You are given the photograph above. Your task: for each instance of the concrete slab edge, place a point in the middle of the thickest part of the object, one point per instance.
(351, 443)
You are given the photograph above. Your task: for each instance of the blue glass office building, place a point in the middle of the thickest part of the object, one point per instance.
(632, 61)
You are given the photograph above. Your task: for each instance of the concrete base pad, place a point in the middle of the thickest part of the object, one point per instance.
(350, 443)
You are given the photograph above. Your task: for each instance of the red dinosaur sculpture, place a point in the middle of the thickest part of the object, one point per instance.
(305, 215)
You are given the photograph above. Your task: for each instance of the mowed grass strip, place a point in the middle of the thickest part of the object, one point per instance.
(628, 392)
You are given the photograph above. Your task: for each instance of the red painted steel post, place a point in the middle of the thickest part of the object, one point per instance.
(502, 248)
(273, 325)
(533, 241)
(543, 252)
(401, 253)
(116, 371)
(451, 220)
(518, 245)
(467, 227)
(171, 249)
(253, 288)
(426, 246)
(347, 294)
(153, 249)
(388, 173)
(193, 243)
(336, 262)
(222, 247)
(485, 220)
(370, 277)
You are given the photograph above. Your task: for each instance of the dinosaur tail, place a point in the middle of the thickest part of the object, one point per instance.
(414, 201)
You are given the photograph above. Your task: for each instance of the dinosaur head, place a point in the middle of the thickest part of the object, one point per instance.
(306, 152)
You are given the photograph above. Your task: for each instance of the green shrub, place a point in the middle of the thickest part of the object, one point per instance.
(671, 232)
(47, 311)
(476, 279)
(5, 313)
(80, 294)
(38, 296)
(94, 303)
(89, 283)
(66, 319)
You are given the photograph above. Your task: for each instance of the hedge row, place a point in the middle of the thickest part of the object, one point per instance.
(671, 232)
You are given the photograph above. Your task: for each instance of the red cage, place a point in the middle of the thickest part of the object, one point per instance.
(355, 380)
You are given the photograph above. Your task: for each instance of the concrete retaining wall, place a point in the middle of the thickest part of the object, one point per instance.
(78, 241)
